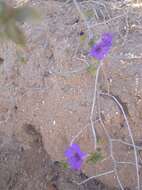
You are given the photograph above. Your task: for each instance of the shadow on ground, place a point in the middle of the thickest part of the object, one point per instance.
(26, 165)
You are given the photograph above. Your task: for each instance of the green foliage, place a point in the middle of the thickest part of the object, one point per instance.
(25, 13)
(14, 33)
(95, 157)
(9, 19)
(89, 14)
(91, 42)
(20, 57)
(83, 37)
(92, 70)
(64, 164)
(102, 141)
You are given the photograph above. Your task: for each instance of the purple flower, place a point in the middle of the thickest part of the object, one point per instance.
(101, 49)
(75, 156)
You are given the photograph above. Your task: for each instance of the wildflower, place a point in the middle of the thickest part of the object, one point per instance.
(101, 49)
(75, 156)
(81, 33)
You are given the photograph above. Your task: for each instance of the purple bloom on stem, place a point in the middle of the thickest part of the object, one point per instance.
(101, 49)
(75, 156)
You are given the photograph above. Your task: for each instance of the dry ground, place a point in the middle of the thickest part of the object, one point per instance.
(52, 91)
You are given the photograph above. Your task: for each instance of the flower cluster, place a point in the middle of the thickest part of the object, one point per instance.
(101, 49)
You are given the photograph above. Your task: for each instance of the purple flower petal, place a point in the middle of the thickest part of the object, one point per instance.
(69, 153)
(101, 49)
(76, 148)
(75, 156)
(107, 39)
(76, 165)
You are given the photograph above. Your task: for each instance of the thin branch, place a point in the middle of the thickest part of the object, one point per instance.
(96, 176)
(126, 143)
(130, 163)
(110, 147)
(84, 18)
(115, 166)
(130, 134)
(108, 21)
(93, 104)
(78, 134)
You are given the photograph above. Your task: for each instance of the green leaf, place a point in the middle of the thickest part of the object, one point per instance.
(64, 164)
(25, 13)
(2, 8)
(21, 58)
(91, 42)
(94, 61)
(14, 33)
(6, 12)
(95, 157)
(102, 141)
(3, 35)
(83, 38)
(9, 16)
(89, 14)
(92, 70)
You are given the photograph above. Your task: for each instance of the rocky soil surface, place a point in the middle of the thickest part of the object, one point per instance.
(46, 88)
(28, 166)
